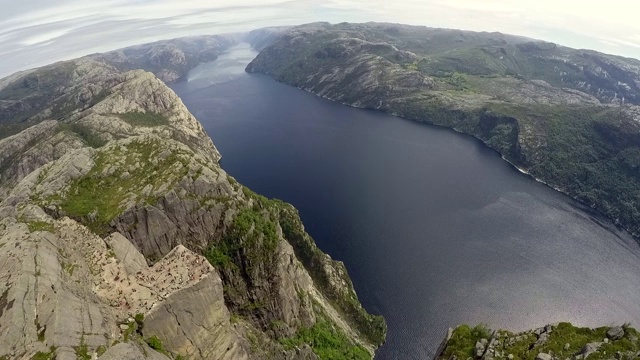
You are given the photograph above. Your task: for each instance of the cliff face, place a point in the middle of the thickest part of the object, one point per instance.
(121, 237)
(568, 117)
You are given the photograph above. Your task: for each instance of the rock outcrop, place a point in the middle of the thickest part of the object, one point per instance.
(558, 341)
(121, 237)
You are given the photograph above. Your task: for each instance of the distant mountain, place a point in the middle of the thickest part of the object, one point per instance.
(568, 117)
(121, 237)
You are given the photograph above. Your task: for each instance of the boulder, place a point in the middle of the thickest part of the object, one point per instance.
(615, 333)
(542, 339)
(544, 356)
(589, 349)
(480, 347)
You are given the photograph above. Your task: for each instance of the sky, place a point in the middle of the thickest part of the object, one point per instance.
(39, 32)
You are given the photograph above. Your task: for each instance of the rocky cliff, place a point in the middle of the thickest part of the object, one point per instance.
(551, 342)
(568, 117)
(121, 237)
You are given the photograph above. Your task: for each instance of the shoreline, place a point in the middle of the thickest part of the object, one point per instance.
(635, 237)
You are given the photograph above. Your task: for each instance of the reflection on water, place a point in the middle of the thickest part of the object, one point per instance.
(227, 67)
(434, 228)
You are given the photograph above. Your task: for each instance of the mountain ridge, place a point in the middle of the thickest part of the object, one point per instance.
(566, 117)
(118, 226)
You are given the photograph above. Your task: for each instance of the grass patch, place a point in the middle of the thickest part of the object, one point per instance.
(251, 241)
(132, 327)
(139, 319)
(85, 133)
(463, 341)
(69, 268)
(40, 355)
(327, 342)
(40, 226)
(155, 343)
(564, 341)
(98, 197)
(101, 350)
(82, 351)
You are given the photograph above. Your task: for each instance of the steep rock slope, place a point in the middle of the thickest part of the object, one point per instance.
(51, 92)
(121, 237)
(568, 117)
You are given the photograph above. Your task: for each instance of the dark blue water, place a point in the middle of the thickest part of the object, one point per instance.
(434, 228)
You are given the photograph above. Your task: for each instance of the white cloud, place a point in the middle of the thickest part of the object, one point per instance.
(35, 32)
(44, 37)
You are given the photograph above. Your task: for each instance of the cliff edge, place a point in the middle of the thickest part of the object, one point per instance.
(121, 237)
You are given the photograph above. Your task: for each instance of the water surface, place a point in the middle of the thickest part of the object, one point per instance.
(434, 228)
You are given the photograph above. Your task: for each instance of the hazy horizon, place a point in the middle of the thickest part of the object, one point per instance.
(40, 32)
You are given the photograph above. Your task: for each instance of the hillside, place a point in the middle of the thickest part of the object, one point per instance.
(567, 117)
(121, 237)
(554, 341)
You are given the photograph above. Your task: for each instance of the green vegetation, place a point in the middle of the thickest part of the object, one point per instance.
(252, 239)
(101, 350)
(130, 332)
(83, 132)
(139, 319)
(463, 341)
(235, 318)
(40, 226)
(246, 255)
(146, 119)
(591, 153)
(98, 197)
(68, 267)
(40, 355)
(528, 100)
(327, 342)
(372, 327)
(41, 331)
(218, 255)
(155, 344)
(82, 351)
(564, 341)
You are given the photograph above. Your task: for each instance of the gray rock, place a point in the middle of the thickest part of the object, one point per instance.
(194, 322)
(126, 253)
(131, 351)
(69, 286)
(542, 339)
(479, 349)
(615, 333)
(590, 348)
(544, 356)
